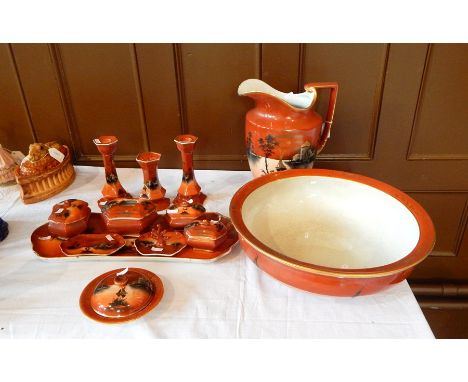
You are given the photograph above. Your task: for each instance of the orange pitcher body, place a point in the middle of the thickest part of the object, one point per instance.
(283, 131)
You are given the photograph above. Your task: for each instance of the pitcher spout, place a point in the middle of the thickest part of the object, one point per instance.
(261, 91)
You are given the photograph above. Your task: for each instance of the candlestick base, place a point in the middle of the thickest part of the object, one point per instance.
(190, 199)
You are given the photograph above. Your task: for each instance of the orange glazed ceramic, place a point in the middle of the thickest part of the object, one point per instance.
(160, 242)
(152, 188)
(107, 145)
(121, 295)
(92, 244)
(331, 232)
(189, 190)
(69, 218)
(205, 234)
(283, 131)
(185, 213)
(128, 216)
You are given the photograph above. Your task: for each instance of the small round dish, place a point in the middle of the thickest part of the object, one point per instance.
(93, 298)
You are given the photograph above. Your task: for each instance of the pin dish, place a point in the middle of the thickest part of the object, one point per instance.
(92, 244)
(160, 242)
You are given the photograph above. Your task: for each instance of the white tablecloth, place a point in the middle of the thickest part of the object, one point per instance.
(229, 298)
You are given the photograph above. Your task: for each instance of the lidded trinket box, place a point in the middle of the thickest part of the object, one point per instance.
(69, 218)
(127, 216)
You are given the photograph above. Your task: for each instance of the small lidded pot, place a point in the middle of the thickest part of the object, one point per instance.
(205, 233)
(69, 218)
(122, 294)
(180, 216)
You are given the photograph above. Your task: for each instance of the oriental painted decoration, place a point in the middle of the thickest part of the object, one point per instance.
(69, 218)
(130, 227)
(261, 155)
(152, 188)
(283, 131)
(128, 216)
(92, 244)
(107, 145)
(205, 234)
(189, 190)
(122, 294)
(161, 242)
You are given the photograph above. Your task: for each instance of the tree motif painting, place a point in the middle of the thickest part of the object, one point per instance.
(267, 145)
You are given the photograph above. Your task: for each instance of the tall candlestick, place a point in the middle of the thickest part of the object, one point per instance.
(107, 144)
(152, 188)
(189, 190)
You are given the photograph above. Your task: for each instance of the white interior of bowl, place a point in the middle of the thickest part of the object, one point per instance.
(331, 222)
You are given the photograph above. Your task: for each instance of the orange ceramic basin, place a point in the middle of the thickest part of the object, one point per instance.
(331, 232)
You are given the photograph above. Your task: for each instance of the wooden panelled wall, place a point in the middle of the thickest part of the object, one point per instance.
(401, 112)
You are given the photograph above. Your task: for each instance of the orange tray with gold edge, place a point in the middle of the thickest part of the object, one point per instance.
(47, 247)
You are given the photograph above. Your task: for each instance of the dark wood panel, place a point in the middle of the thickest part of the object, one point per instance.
(280, 66)
(463, 248)
(453, 268)
(440, 122)
(403, 81)
(39, 80)
(160, 98)
(447, 213)
(214, 111)
(105, 97)
(15, 124)
(360, 71)
(447, 323)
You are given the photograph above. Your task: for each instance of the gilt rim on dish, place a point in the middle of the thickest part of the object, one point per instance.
(422, 249)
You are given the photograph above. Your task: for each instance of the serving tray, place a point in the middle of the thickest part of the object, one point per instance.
(47, 247)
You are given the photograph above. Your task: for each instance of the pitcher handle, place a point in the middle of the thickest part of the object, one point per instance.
(333, 86)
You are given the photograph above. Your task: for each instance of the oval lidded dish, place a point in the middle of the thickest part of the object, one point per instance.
(331, 232)
(69, 218)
